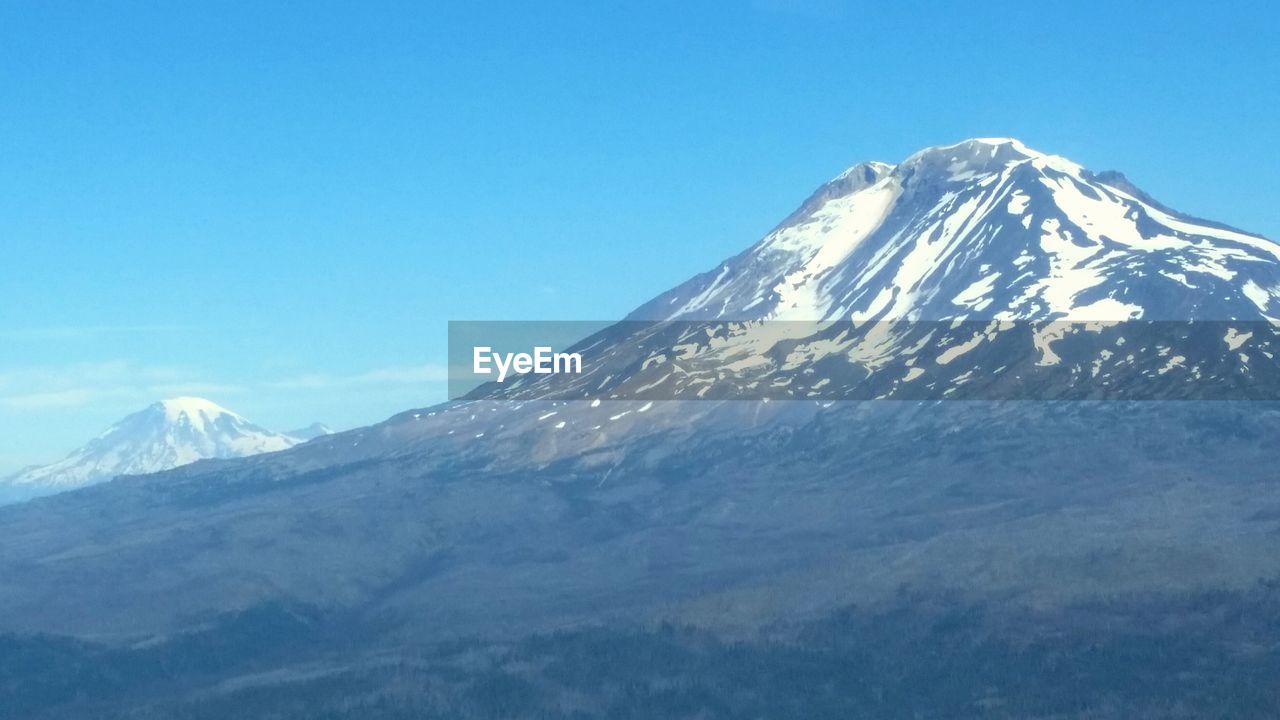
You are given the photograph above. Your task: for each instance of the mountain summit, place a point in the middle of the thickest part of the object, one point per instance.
(980, 270)
(165, 435)
(986, 229)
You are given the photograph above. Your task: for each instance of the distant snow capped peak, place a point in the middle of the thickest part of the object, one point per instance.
(167, 434)
(311, 432)
(194, 411)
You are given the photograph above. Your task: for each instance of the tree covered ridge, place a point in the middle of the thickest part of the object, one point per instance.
(1207, 655)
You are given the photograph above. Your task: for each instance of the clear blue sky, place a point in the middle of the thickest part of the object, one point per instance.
(279, 206)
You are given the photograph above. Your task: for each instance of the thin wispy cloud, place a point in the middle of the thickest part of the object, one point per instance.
(109, 372)
(392, 375)
(70, 398)
(83, 332)
(196, 388)
(29, 389)
(83, 384)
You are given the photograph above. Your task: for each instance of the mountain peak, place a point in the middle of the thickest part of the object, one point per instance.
(193, 408)
(191, 403)
(865, 172)
(968, 159)
(986, 228)
(167, 434)
(992, 151)
(989, 146)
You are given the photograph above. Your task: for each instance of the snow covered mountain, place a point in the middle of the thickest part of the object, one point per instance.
(986, 228)
(983, 269)
(165, 435)
(543, 500)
